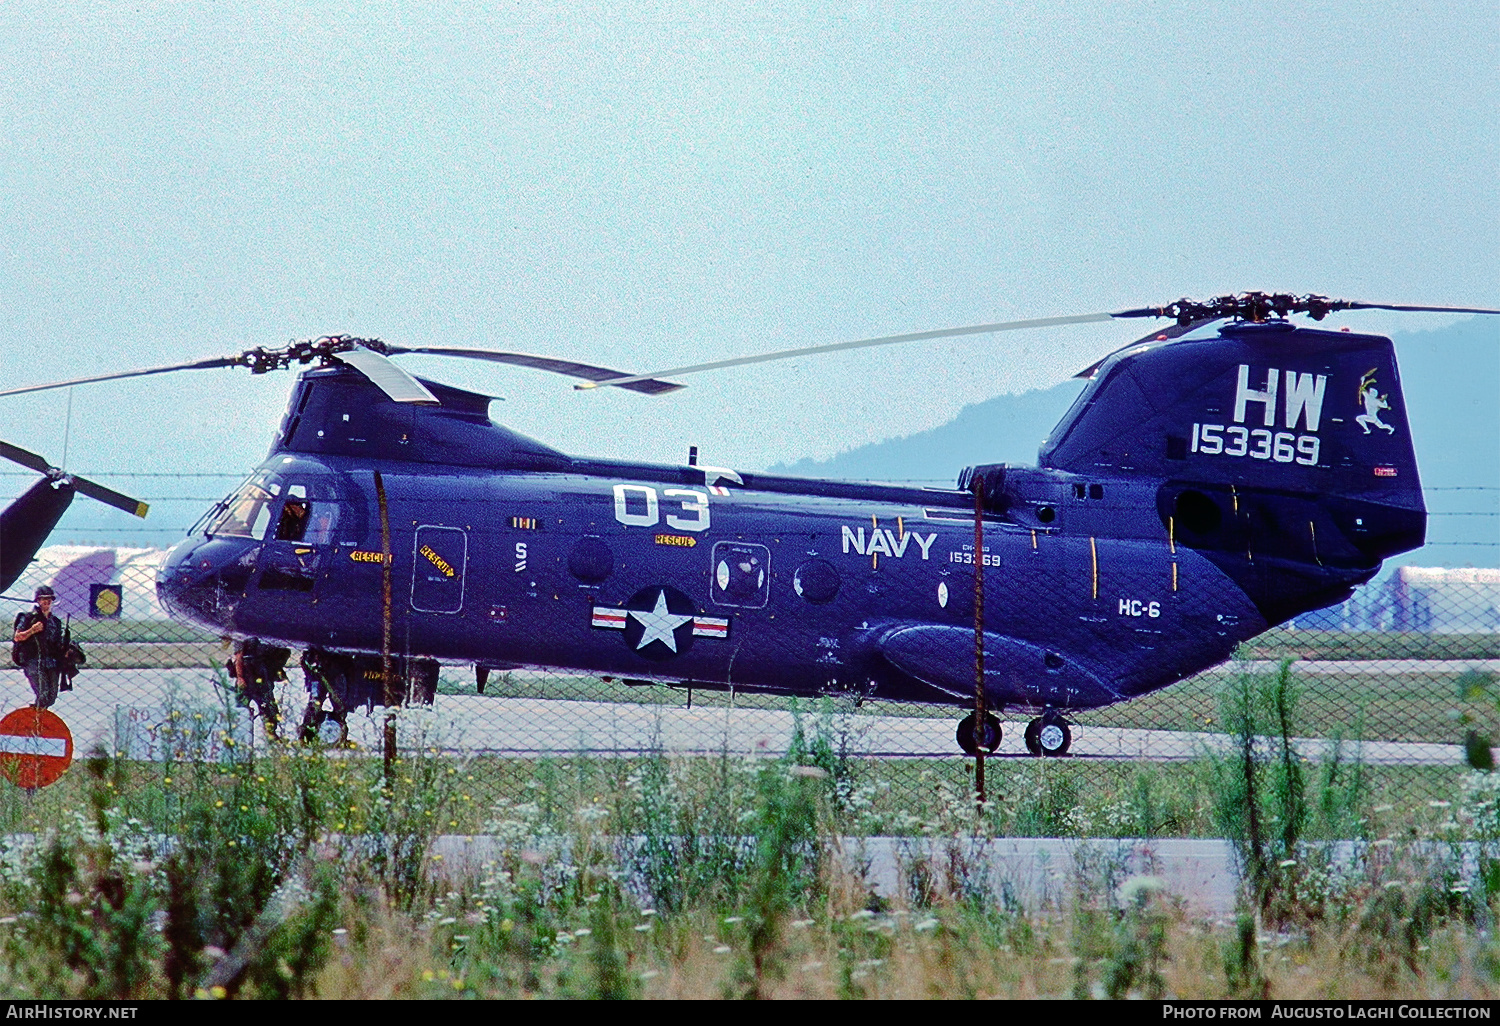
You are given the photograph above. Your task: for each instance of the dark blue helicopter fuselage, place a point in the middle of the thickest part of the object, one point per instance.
(1200, 491)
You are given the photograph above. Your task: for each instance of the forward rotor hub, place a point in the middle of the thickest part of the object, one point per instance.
(304, 351)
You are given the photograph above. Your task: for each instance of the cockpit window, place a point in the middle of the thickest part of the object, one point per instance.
(247, 513)
(305, 520)
(320, 521)
(293, 523)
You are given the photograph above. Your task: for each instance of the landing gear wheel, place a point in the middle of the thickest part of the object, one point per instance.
(965, 734)
(1049, 735)
(322, 727)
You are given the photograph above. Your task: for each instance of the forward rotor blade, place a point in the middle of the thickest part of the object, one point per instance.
(26, 458)
(217, 361)
(387, 377)
(590, 372)
(110, 497)
(915, 336)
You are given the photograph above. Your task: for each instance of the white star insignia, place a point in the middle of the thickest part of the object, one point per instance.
(658, 624)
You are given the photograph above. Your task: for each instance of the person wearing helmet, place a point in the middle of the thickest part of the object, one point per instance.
(39, 647)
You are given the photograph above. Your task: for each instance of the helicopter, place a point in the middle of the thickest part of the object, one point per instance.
(26, 523)
(1213, 479)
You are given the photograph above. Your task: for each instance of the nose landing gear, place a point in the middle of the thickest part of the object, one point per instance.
(966, 734)
(1049, 734)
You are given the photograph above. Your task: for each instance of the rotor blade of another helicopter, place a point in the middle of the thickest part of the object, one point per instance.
(387, 377)
(26, 458)
(217, 361)
(110, 497)
(590, 372)
(1174, 331)
(915, 336)
(83, 485)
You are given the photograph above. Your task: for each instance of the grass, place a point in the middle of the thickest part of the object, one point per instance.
(300, 874)
(1403, 706)
(295, 872)
(1032, 798)
(1279, 643)
(112, 632)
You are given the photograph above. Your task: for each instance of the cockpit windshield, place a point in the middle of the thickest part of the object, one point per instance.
(246, 513)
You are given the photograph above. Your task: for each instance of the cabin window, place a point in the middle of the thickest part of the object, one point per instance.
(740, 574)
(1096, 491)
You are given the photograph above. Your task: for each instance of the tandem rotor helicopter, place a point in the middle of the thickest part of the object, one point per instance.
(1208, 483)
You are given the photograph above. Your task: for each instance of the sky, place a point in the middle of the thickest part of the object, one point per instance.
(653, 185)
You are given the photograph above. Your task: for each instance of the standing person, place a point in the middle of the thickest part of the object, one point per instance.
(256, 668)
(39, 643)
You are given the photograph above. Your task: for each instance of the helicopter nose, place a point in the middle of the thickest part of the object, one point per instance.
(203, 580)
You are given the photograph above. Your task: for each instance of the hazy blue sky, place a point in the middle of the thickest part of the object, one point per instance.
(647, 186)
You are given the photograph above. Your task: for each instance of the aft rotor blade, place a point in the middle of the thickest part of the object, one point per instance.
(1174, 331)
(1356, 305)
(589, 372)
(217, 361)
(109, 496)
(915, 336)
(387, 377)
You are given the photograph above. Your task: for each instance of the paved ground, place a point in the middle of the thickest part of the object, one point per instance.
(1036, 873)
(129, 709)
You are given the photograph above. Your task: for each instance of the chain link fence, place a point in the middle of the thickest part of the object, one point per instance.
(1397, 686)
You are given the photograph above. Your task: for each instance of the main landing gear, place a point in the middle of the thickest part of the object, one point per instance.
(1049, 734)
(969, 743)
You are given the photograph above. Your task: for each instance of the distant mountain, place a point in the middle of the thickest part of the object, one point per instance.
(1005, 429)
(1451, 379)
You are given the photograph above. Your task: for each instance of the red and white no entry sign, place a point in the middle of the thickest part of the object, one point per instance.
(36, 747)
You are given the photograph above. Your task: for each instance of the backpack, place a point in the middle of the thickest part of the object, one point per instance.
(18, 648)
